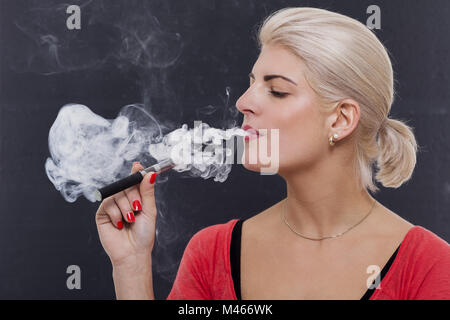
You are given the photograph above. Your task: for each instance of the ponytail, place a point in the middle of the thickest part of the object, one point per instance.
(397, 157)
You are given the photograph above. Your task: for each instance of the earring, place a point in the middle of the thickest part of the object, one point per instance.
(331, 140)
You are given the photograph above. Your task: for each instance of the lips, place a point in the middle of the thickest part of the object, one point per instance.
(251, 130)
(253, 133)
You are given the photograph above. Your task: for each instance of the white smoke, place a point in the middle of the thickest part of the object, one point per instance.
(89, 152)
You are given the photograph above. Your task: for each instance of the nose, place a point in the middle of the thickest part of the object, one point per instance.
(245, 104)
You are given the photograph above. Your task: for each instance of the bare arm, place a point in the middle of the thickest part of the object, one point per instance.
(126, 226)
(134, 280)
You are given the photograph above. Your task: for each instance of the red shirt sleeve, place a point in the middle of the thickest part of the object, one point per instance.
(204, 272)
(433, 279)
(436, 283)
(421, 270)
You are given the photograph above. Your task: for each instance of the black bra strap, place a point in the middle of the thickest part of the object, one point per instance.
(235, 257)
(383, 272)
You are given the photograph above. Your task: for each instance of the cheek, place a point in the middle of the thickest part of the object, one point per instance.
(301, 139)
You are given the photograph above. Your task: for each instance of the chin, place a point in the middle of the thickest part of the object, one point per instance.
(263, 169)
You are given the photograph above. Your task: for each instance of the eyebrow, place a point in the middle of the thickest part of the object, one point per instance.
(272, 76)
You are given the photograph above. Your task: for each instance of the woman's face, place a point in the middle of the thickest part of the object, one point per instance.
(280, 98)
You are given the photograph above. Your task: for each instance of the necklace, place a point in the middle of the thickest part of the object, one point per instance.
(329, 237)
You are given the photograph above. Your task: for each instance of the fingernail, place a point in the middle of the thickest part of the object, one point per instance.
(119, 225)
(137, 205)
(130, 216)
(153, 177)
(135, 163)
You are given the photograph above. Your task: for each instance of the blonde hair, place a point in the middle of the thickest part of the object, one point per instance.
(344, 59)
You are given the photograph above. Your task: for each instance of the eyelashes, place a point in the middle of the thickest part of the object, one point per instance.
(278, 94)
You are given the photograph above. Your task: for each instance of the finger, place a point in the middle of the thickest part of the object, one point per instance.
(147, 192)
(110, 213)
(124, 205)
(132, 193)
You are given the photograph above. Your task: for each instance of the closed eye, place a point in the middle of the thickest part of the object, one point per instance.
(278, 94)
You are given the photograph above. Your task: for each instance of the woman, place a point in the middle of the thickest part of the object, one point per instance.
(326, 83)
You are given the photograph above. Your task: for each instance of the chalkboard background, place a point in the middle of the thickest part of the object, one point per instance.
(199, 50)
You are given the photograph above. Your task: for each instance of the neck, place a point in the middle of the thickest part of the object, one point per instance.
(325, 201)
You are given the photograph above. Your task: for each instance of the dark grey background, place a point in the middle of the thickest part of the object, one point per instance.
(41, 234)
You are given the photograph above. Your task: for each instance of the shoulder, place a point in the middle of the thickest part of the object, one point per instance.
(203, 271)
(425, 243)
(215, 231)
(212, 237)
(427, 259)
(424, 253)
(208, 249)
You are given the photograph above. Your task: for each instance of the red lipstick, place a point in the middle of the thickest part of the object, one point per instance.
(253, 133)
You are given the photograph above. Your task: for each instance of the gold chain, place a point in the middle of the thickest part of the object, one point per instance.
(329, 237)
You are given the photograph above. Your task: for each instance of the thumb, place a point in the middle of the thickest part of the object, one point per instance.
(147, 191)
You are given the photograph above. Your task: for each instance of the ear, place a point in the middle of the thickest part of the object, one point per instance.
(345, 118)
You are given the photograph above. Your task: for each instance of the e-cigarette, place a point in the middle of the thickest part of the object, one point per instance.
(132, 180)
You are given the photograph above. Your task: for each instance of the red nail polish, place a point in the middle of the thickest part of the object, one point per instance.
(119, 225)
(153, 177)
(137, 205)
(130, 216)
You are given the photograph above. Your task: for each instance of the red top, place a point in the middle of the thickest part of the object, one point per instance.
(421, 269)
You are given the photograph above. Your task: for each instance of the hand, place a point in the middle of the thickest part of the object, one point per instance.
(126, 222)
